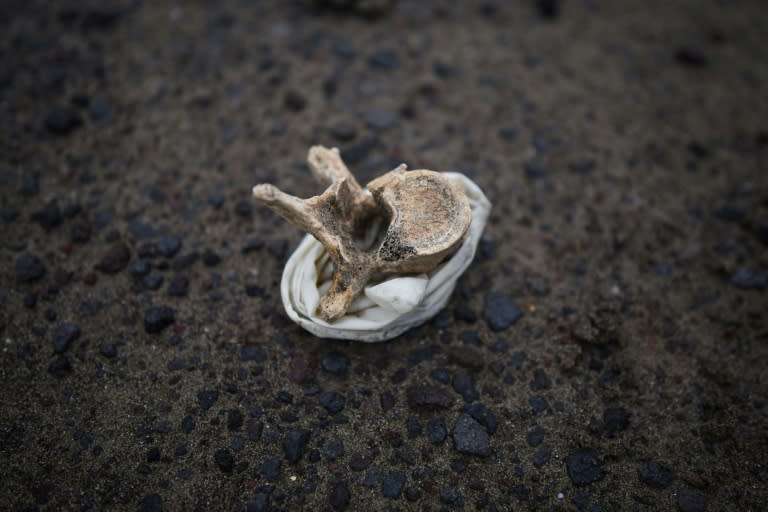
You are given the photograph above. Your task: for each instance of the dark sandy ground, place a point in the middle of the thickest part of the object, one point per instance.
(624, 146)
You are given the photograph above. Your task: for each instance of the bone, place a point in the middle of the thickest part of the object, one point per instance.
(428, 219)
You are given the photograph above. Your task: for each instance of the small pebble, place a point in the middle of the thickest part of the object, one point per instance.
(469, 437)
(385, 59)
(294, 443)
(207, 397)
(153, 281)
(653, 474)
(339, 496)
(747, 278)
(428, 397)
(178, 286)
(210, 258)
(168, 246)
(500, 312)
(691, 500)
(584, 466)
(49, 217)
(332, 402)
(158, 318)
(436, 430)
(115, 259)
(62, 120)
(63, 337)
(393, 484)
(224, 460)
(29, 268)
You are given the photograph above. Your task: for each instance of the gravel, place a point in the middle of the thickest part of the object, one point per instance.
(156, 319)
(584, 466)
(426, 397)
(64, 336)
(469, 437)
(294, 444)
(393, 484)
(500, 312)
(29, 268)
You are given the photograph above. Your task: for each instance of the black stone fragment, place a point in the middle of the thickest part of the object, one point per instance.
(615, 419)
(60, 367)
(464, 384)
(428, 397)
(49, 216)
(452, 496)
(294, 443)
(691, 57)
(540, 380)
(339, 496)
(499, 311)
(234, 420)
(153, 281)
(178, 286)
(243, 208)
(393, 484)
(115, 259)
(333, 449)
(584, 466)
(141, 267)
(535, 436)
(210, 258)
(541, 457)
(270, 468)
(259, 503)
(691, 500)
(548, 9)
(470, 437)
(465, 313)
(184, 261)
(63, 337)
(29, 268)
(153, 454)
(294, 101)
(535, 169)
(224, 460)
(108, 350)
(207, 397)
(80, 232)
(653, 474)
(332, 401)
(188, 424)
(62, 120)
(168, 246)
(158, 318)
(151, 503)
(747, 278)
(336, 363)
(251, 352)
(343, 131)
(467, 357)
(436, 430)
(384, 58)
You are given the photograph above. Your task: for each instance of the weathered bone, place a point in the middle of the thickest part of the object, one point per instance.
(428, 219)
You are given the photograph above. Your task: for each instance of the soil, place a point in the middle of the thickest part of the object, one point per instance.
(607, 349)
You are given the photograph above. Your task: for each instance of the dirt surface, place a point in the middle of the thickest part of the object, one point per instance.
(607, 349)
